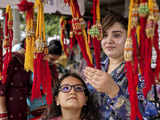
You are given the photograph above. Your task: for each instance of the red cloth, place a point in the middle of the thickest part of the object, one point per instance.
(16, 88)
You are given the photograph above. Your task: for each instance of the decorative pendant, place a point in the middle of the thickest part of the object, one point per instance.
(159, 34)
(154, 58)
(128, 50)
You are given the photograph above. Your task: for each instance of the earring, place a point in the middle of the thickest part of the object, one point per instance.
(57, 104)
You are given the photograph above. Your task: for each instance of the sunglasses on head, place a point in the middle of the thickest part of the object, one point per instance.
(67, 88)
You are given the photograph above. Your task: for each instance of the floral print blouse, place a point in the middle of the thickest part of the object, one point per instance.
(118, 108)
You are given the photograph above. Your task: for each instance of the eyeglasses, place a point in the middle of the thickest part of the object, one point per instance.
(67, 88)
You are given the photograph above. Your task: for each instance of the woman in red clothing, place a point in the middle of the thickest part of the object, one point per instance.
(14, 92)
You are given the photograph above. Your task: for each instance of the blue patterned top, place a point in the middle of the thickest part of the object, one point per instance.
(118, 108)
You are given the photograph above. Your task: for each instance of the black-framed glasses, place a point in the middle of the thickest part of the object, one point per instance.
(65, 88)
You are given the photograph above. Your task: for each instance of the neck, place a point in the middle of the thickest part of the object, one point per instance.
(71, 114)
(114, 63)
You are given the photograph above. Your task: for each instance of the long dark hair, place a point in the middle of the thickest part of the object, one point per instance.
(89, 111)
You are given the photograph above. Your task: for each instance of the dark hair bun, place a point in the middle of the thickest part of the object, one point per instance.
(55, 47)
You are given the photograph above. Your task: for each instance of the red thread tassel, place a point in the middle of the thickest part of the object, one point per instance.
(1, 50)
(42, 76)
(155, 42)
(8, 54)
(147, 67)
(132, 91)
(89, 37)
(83, 49)
(26, 6)
(142, 44)
(97, 50)
(96, 43)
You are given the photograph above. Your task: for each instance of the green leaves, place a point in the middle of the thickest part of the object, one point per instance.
(52, 25)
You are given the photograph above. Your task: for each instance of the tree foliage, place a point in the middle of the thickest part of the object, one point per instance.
(52, 25)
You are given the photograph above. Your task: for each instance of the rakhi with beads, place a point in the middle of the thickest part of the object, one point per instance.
(89, 36)
(152, 60)
(145, 46)
(96, 32)
(155, 60)
(1, 50)
(78, 25)
(27, 7)
(63, 23)
(130, 56)
(71, 36)
(143, 13)
(7, 43)
(141, 49)
(42, 75)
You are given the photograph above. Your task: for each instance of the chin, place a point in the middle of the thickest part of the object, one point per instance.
(72, 106)
(72, 103)
(110, 54)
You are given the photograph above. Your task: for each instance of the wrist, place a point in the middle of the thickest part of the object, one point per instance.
(3, 116)
(114, 91)
(3, 108)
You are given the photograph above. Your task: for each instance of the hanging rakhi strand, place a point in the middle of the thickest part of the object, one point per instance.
(1, 50)
(42, 74)
(155, 58)
(96, 32)
(149, 50)
(63, 23)
(141, 49)
(27, 7)
(71, 36)
(7, 44)
(78, 25)
(130, 56)
(143, 12)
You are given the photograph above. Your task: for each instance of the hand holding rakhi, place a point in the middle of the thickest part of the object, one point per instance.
(101, 81)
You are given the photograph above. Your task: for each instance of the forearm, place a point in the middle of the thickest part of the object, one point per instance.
(3, 108)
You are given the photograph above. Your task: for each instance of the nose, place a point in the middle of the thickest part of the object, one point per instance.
(72, 90)
(107, 40)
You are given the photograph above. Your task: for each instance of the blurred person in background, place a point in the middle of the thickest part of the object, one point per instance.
(38, 106)
(14, 92)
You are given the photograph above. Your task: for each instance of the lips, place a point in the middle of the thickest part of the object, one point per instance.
(70, 98)
(110, 47)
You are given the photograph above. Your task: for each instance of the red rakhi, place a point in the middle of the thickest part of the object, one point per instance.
(42, 75)
(26, 6)
(7, 41)
(131, 58)
(96, 34)
(79, 31)
(63, 23)
(1, 50)
(72, 38)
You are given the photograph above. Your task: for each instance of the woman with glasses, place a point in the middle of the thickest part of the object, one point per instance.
(72, 100)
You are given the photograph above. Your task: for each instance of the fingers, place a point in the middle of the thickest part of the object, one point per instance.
(92, 75)
(93, 83)
(88, 71)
